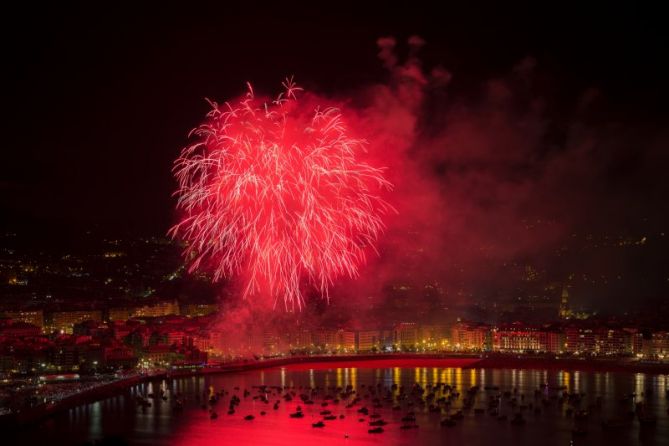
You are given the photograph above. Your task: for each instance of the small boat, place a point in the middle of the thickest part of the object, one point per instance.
(581, 415)
(518, 420)
(376, 430)
(326, 412)
(448, 422)
(330, 417)
(409, 426)
(377, 423)
(616, 423)
(297, 414)
(409, 419)
(647, 421)
(318, 424)
(249, 418)
(579, 432)
(143, 402)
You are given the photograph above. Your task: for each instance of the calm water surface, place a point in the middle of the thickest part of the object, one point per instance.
(121, 418)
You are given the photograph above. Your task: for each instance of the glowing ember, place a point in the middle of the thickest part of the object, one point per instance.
(273, 192)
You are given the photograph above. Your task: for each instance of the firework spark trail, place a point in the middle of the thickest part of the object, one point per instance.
(273, 192)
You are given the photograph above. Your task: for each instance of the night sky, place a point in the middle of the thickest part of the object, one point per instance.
(98, 101)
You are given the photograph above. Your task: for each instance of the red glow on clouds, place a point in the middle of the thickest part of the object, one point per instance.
(478, 184)
(274, 191)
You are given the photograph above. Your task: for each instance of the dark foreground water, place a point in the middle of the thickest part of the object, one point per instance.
(120, 420)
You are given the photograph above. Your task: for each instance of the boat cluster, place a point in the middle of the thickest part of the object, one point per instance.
(370, 403)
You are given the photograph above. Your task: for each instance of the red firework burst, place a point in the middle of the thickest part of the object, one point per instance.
(273, 192)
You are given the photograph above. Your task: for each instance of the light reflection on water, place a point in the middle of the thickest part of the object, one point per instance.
(162, 425)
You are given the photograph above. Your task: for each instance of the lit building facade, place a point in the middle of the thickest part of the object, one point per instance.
(325, 338)
(599, 340)
(469, 336)
(346, 340)
(406, 335)
(656, 345)
(196, 310)
(64, 321)
(32, 317)
(518, 338)
(580, 340)
(368, 340)
(159, 309)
